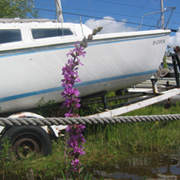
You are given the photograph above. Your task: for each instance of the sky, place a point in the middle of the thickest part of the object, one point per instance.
(116, 15)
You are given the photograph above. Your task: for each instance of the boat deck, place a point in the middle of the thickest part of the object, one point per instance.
(15, 20)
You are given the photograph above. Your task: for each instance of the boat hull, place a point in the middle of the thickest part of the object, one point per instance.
(112, 62)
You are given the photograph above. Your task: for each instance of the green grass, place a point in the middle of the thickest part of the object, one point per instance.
(105, 145)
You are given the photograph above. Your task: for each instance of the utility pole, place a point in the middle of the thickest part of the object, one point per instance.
(59, 11)
(162, 14)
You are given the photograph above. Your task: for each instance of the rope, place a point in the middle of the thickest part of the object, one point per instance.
(85, 120)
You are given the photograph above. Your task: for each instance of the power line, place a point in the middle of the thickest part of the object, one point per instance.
(129, 5)
(102, 12)
(176, 22)
(124, 4)
(112, 13)
(96, 17)
(42, 9)
(140, 9)
(115, 3)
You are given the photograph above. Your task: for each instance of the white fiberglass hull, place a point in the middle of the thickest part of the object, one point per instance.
(112, 62)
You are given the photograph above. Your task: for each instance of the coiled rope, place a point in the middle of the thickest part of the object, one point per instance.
(85, 120)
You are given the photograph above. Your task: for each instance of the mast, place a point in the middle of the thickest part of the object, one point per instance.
(59, 11)
(162, 14)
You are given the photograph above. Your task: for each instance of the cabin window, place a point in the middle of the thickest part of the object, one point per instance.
(10, 35)
(47, 33)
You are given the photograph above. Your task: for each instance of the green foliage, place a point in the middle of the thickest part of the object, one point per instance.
(110, 144)
(7, 162)
(49, 109)
(42, 168)
(105, 146)
(164, 62)
(6, 149)
(17, 8)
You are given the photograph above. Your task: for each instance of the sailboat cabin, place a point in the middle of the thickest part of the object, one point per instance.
(23, 31)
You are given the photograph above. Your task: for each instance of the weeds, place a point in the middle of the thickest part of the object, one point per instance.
(105, 146)
(5, 156)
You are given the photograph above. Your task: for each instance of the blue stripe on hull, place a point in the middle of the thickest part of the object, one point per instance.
(24, 95)
(47, 48)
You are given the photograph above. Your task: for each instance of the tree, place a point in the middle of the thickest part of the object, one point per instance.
(17, 8)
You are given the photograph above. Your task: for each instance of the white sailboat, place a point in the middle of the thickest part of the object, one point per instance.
(33, 52)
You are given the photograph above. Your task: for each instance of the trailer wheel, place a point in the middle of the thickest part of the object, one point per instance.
(27, 141)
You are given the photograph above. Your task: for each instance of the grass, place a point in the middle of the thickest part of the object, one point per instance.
(119, 142)
(105, 146)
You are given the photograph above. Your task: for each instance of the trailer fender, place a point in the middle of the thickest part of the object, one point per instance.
(54, 131)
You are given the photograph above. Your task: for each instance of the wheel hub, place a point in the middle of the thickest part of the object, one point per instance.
(26, 147)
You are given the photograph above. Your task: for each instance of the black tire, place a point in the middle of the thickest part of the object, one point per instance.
(28, 140)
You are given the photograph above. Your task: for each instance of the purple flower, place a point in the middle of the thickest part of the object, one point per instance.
(75, 163)
(75, 143)
(72, 102)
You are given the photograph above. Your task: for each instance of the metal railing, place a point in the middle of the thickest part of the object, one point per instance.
(165, 10)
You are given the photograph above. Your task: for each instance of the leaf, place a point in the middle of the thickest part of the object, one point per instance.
(63, 175)
(81, 169)
(17, 8)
